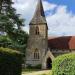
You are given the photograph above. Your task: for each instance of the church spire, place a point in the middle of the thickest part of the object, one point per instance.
(39, 16)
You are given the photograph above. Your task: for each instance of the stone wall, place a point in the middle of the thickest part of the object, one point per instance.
(38, 42)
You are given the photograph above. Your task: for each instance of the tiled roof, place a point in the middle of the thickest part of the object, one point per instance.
(65, 42)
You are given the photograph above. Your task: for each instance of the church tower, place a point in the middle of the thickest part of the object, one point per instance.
(38, 37)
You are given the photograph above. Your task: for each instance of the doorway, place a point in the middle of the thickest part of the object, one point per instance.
(49, 63)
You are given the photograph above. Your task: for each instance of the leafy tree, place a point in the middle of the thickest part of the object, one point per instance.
(19, 42)
(4, 41)
(11, 24)
(9, 20)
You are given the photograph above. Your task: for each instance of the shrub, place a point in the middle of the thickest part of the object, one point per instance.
(37, 66)
(29, 66)
(10, 62)
(64, 65)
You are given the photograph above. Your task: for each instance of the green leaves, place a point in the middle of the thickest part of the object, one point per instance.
(11, 23)
(10, 62)
(64, 65)
(5, 24)
(5, 41)
(8, 17)
(17, 40)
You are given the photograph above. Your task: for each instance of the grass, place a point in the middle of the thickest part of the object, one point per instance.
(50, 73)
(24, 71)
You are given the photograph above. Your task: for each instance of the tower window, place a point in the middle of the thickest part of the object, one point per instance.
(37, 31)
(36, 54)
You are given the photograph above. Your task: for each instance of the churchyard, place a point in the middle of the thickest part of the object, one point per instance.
(17, 47)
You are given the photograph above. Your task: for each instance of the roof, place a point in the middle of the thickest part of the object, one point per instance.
(65, 42)
(39, 16)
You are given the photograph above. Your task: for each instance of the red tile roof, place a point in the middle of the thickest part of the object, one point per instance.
(65, 42)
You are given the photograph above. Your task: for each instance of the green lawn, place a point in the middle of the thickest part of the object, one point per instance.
(24, 71)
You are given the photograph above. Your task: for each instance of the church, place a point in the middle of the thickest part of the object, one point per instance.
(41, 49)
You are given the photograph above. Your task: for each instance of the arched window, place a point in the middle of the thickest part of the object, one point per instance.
(36, 54)
(37, 31)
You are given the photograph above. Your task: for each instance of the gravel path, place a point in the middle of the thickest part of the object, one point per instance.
(38, 73)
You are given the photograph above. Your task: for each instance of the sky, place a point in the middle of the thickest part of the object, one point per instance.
(60, 15)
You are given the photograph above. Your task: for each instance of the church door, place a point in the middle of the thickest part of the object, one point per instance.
(49, 63)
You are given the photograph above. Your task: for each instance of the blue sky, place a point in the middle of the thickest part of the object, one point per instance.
(69, 3)
(60, 15)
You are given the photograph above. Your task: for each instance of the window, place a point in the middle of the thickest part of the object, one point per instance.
(36, 54)
(37, 31)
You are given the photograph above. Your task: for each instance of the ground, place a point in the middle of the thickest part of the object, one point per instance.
(43, 72)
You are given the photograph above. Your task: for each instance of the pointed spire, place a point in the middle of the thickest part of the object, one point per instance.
(39, 16)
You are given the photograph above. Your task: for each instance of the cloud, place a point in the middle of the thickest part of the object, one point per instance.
(48, 6)
(26, 8)
(61, 22)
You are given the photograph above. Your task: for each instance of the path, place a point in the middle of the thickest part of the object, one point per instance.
(38, 72)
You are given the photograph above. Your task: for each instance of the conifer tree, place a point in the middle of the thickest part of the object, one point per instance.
(11, 24)
(9, 20)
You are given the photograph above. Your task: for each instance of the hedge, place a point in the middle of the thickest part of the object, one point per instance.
(10, 62)
(64, 65)
(34, 67)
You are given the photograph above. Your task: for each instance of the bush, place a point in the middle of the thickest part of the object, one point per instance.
(10, 62)
(29, 66)
(64, 65)
(37, 66)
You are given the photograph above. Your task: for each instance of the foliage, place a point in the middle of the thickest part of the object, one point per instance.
(9, 20)
(34, 67)
(64, 65)
(38, 66)
(18, 42)
(19, 36)
(11, 24)
(5, 41)
(10, 62)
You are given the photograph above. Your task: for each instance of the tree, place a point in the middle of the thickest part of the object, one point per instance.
(11, 24)
(4, 41)
(19, 42)
(9, 20)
